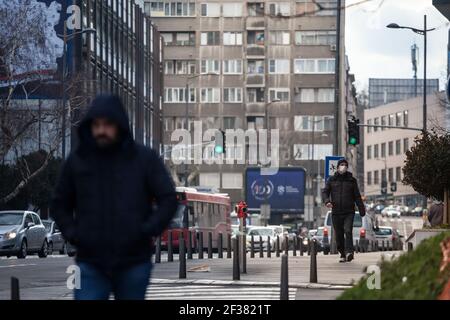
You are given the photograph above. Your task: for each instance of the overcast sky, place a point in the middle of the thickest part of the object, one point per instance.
(377, 52)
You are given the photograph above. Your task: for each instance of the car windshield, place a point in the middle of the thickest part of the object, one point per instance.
(10, 218)
(357, 221)
(261, 232)
(383, 232)
(47, 225)
(319, 232)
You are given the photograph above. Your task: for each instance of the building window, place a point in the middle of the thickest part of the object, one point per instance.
(280, 9)
(376, 122)
(179, 67)
(383, 150)
(313, 66)
(391, 148)
(316, 7)
(398, 119)
(255, 9)
(306, 95)
(232, 66)
(398, 147)
(369, 178)
(255, 37)
(178, 38)
(255, 123)
(232, 181)
(375, 151)
(405, 118)
(321, 37)
(255, 95)
(211, 179)
(210, 38)
(383, 174)
(304, 151)
(305, 123)
(281, 94)
(232, 38)
(369, 152)
(405, 145)
(255, 66)
(383, 122)
(177, 95)
(210, 95)
(279, 66)
(232, 95)
(325, 95)
(233, 9)
(369, 122)
(398, 174)
(391, 174)
(209, 66)
(279, 37)
(376, 178)
(391, 119)
(229, 123)
(210, 10)
(170, 9)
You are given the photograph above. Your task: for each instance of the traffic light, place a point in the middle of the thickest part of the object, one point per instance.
(353, 132)
(219, 147)
(383, 187)
(241, 209)
(393, 186)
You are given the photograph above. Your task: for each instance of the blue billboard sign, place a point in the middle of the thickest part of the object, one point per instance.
(284, 191)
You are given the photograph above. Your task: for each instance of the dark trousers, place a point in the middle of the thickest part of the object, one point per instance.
(126, 284)
(343, 228)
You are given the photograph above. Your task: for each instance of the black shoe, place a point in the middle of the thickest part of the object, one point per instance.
(343, 259)
(349, 257)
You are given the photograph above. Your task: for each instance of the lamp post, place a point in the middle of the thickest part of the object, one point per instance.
(384, 178)
(423, 32)
(66, 38)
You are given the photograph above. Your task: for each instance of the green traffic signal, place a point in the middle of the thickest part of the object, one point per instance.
(218, 149)
(352, 141)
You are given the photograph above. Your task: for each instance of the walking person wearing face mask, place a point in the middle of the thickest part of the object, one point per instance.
(340, 194)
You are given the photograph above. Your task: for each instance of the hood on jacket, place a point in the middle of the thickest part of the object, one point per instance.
(104, 106)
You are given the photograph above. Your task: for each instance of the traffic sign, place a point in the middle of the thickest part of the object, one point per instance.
(331, 165)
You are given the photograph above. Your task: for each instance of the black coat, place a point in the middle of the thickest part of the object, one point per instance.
(343, 193)
(104, 202)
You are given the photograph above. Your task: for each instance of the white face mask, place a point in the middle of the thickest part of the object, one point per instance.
(342, 169)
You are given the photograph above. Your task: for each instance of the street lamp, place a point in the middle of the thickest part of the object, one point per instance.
(424, 33)
(63, 80)
(384, 178)
(186, 97)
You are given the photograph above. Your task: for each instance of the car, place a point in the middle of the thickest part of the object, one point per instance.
(417, 211)
(282, 232)
(55, 240)
(22, 233)
(379, 208)
(261, 237)
(323, 240)
(391, 213)
(390, 236)
(363, 229)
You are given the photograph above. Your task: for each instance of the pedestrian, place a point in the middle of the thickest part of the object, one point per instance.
(112, 197)
(340, 194)
(436, 214)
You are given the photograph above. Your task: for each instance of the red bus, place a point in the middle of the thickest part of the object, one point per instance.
(199, 212)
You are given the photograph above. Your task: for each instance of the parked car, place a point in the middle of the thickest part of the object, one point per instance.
(417, 211)
(390, 236)
(363, 228)
(55, 240)
(261, 238)
(282, 232)
(21, 233)
(379, 208)
(323, 241)
(391, 213)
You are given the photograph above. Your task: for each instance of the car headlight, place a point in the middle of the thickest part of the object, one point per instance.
(305, 242)
(10, 235)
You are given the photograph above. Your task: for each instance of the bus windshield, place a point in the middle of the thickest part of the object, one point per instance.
(178, 219)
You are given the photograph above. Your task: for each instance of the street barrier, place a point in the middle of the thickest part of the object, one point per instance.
(252, 246)
(182, 256)
(169, 246)
(210, 251)
(15, 293)
(313, 262)
(236, 271)
(269, 248)
(284, 281)
(277, 249)
(301, 246)
(383, 247)
(220, 245)
(228, 246)
(189, 245)
(200, 245)
(158, 250)
(286, 245)
(294, 249)
(261, 248)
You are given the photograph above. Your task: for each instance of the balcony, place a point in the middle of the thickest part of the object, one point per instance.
(255, 80)
(255, 51)
(255, 23)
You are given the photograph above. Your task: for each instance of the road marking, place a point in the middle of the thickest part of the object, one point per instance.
(18, 265)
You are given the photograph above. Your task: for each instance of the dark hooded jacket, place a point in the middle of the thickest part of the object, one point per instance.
(343, 193)
(110, 202)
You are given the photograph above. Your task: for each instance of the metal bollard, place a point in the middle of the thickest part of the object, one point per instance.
(313, 262)
(15, 291)
(357, 246)
(278, 246)
(389, 245)
(261, 252)
(182, 256)
(300, 239)
(294, 250)
(269, 247)
(252, 247)
(220, 245)
(383, 247)
(236, 271)
(244, 254)
(309, 247)
(169, 246)
(286, 245)
(284, 281)
(228, 246)
(200, 245)
(410, 246)
(189, 245)
(210, 250)
(158, 250)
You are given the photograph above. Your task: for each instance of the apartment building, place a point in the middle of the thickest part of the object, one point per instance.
(385, 149)
(243, 60)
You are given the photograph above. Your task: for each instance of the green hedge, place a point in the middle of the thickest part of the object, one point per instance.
(413, 275)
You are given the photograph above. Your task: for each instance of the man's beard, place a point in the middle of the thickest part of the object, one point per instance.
(104, 142)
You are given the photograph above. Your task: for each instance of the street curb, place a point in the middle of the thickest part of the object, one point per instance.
(324, 286)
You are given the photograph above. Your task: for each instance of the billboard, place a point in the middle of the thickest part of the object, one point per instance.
(284, 191)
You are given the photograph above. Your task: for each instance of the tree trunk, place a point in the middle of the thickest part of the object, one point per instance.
(446, 213)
